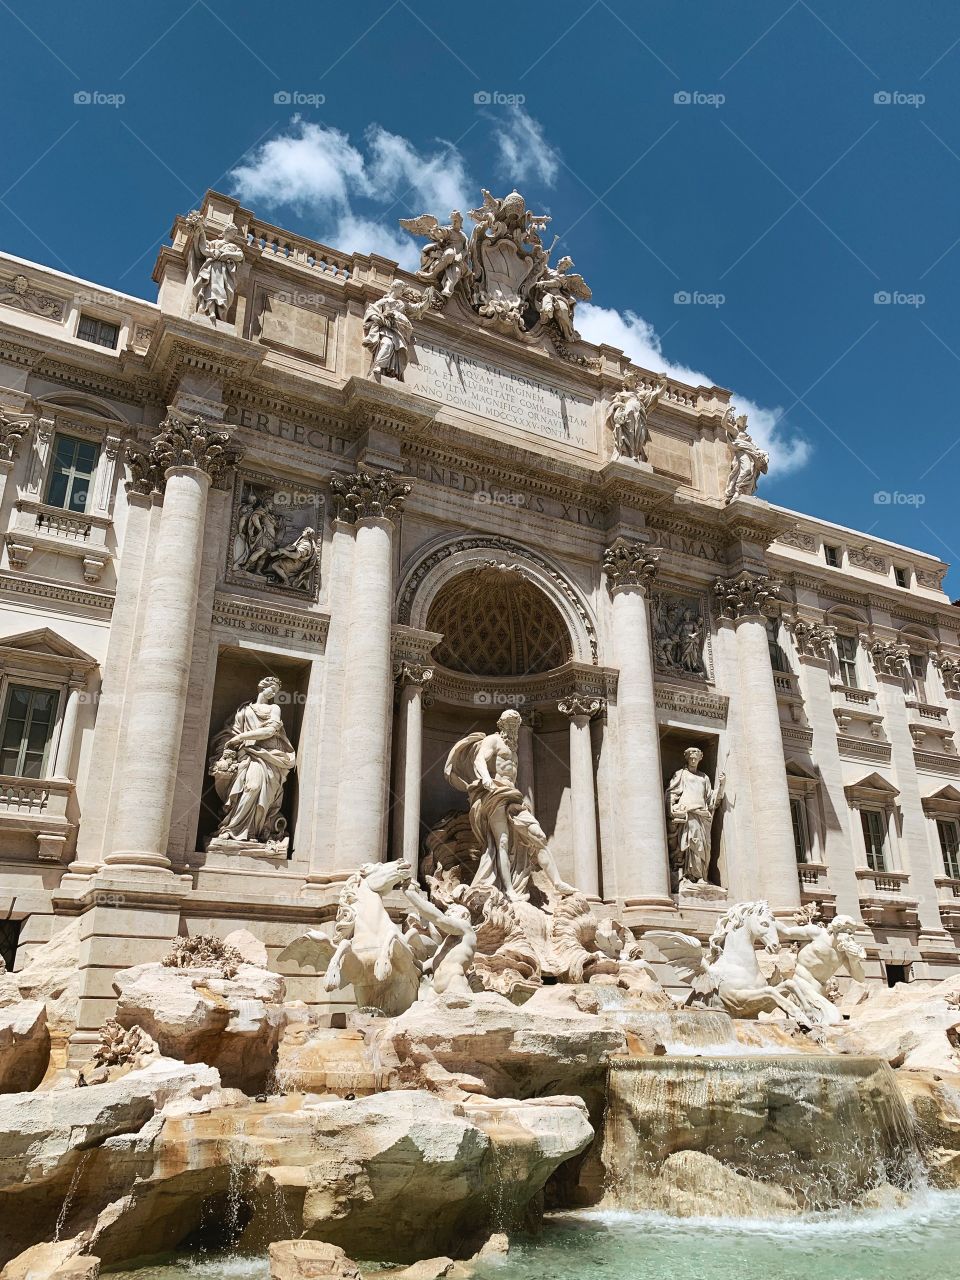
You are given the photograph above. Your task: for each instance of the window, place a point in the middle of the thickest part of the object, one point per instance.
(900, 576)
(832, 555)
(874, 825)
(801, 829)
(918, 676)
(101, 332)
(70, 478)
(778, 659)
(948, 829)
(9, 938)
(847, 660)
(27, 729)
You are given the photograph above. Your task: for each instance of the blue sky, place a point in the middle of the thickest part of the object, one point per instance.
(783, 163)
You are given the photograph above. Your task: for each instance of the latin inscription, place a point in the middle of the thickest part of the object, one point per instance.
(279, 428)
(265, 622)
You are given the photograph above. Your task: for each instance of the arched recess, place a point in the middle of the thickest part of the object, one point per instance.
(438, 567)
(79, 403)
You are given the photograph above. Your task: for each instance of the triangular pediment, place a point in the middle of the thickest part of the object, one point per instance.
(797, 769)
(875, 783)
(46, 643)
(942, 803)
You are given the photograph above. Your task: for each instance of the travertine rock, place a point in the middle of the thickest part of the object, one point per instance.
(692, 1184)
(59, 1260)
(934, 1101)
(197, 1015)
(53, 976)
(913, 1027)
(24, 1045)
(310, 1260)
(251, 949)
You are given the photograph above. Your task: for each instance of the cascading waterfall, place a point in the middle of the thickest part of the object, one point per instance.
(825, 1129)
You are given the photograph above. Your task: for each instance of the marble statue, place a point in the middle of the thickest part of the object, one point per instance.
(369, 951)
(725, 974)
(388, 329)
(453, 957)
(215, 264)
(555, 296)
(827, 949)
(484, 765)
(251, 759)
(692, 800)
(749, 461)
(259, 528)
(443, 262)
(628, 415)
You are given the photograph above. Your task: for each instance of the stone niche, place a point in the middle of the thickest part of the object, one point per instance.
(239, 672)
(673, 743)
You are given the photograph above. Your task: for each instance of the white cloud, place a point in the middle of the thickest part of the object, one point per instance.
(641, 342)
(313, 167)
(523, 153)
(434, 183)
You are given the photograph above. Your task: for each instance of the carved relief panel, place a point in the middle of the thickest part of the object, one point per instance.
(276, 532)
(681, 635)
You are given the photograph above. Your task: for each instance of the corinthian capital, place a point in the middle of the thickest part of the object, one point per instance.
(748, 595)
(575, 706)
(889, 657)
(814, 639)
(368, 496)
(181, 442)
(12, 430)
(630, 564)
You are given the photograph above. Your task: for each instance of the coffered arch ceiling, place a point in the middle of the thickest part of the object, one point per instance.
(496, 622)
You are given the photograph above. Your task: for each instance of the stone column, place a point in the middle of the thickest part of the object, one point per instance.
(746, 601)
(412, 679)
(372, 505)
(525, 763)
(184, 458)
(68, 731)
(643, 875)
(583, 794)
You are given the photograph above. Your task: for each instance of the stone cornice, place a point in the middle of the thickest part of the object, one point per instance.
(494, 693)
(18, 584)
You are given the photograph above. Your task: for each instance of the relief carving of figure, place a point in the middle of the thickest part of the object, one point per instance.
(678, 635)
(388, 329)
(258, 529)
(291, 566)
(749, 461)
(513, 842)
(443, 262)
(251, 759)
(827, 949)
(269, 545)
(628, 415)
(691, 803)
(214, 264)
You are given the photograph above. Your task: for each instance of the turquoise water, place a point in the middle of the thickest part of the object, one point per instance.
(918, 1243)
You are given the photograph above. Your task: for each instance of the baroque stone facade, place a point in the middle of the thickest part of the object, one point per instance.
(396, 541)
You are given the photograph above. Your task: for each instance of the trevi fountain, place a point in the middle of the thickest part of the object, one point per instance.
(516, 1092)
(651, 1037)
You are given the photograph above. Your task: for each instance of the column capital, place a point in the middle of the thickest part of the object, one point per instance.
(13, 428)
(181, 442)
(949, 669)
(368, 495)
(407, 672)
(748, 595)
(813, 639)
(630, 564)
(575, 707)
(890, 658)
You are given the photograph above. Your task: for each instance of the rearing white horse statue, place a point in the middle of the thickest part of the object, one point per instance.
(726, 974)
(371, 953)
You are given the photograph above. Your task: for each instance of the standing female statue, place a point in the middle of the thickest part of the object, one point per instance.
(215, 264)
(252, 756)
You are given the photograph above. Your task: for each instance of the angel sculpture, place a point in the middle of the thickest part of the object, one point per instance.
(725, 974)
(555, 296)
(388, 329)
(628, 415)
(749, 461)
(443, 262)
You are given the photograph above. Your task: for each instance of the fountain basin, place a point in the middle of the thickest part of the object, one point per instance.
(777, 1134)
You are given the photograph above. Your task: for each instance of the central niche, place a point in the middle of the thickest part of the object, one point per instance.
(495, 622)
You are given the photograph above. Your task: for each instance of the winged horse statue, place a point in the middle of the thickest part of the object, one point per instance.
(369, 950)
(725, 974)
